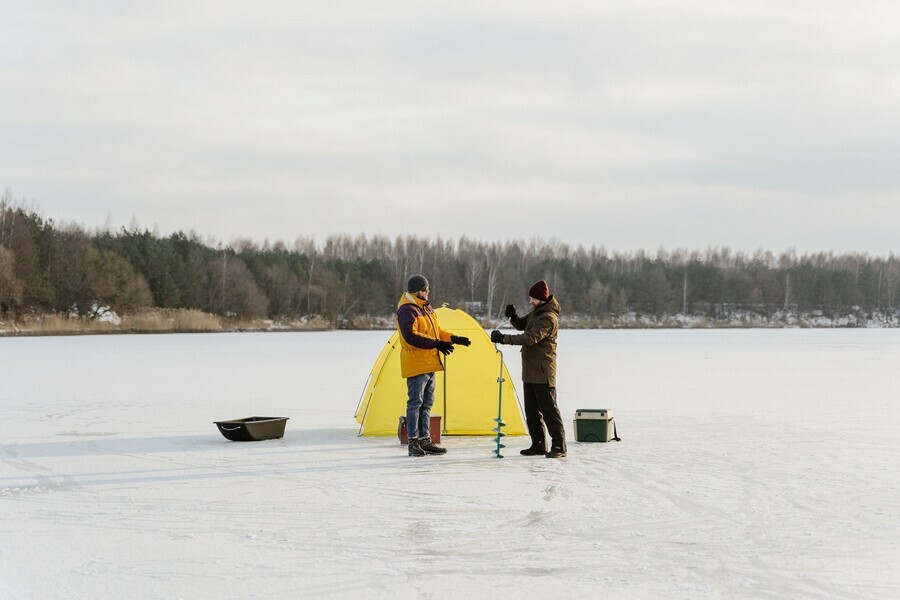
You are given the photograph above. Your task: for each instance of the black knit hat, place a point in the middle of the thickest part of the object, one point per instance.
(540, 291)
(416, 283)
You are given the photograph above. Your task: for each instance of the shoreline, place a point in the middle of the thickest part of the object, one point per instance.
(179, 321)
(24, 333)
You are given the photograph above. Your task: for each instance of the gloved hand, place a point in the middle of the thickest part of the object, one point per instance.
(444, 347)
(496, 337)
(458, 339)
(510, 311)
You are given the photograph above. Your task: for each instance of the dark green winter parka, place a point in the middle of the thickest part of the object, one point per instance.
(538, 342)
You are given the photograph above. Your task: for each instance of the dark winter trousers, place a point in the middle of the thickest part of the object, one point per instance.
(541, 408)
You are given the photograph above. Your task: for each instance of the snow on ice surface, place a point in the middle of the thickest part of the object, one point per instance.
(754, 464)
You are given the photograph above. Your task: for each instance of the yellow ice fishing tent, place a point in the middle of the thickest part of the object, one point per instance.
(465, 393)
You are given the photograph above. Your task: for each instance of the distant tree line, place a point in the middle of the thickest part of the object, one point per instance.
(50, 267)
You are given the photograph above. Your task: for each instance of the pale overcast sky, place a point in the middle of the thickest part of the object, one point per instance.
(640, 124)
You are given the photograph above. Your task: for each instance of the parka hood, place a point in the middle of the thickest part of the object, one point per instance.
(408, 298)
(550, 306)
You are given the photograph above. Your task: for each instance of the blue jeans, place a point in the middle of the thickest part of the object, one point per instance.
(418, 406)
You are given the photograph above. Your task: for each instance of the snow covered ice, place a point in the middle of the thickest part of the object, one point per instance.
(754, 464)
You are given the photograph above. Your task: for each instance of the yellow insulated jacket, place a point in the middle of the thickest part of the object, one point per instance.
(419, 334)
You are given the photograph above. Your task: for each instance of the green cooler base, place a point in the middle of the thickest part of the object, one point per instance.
(593, 425)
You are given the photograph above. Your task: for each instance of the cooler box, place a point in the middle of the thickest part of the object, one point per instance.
(593, 425)
(434, 424)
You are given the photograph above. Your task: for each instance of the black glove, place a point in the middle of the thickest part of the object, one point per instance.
(458, 339)
(444, 347)
(496, 337)
(510, 311)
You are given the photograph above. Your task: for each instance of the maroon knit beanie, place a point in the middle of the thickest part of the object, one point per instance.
(540, 291)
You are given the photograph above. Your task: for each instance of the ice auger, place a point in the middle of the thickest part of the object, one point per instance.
(499, 419)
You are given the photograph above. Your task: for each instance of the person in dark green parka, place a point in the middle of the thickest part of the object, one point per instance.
(538, 342)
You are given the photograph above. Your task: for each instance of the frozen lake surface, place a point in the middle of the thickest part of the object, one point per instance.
(754, 464)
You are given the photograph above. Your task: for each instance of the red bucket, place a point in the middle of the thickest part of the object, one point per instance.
(434, 424)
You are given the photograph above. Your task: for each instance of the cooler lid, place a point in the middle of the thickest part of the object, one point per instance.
(593, 413)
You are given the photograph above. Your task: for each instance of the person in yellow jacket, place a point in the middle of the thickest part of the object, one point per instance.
(422, 342)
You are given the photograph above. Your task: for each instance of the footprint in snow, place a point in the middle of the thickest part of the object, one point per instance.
(554, 489)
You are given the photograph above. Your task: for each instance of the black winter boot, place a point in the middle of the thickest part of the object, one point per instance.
(431, 448)
(534, 450)
(556, 452)
(414, 448)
